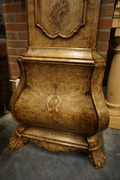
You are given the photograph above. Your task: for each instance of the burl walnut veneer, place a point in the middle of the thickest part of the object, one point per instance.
(59, 102)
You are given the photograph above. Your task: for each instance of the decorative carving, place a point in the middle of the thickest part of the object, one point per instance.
(60, 10)
(97, 159)
(53, 102)
(95, 155)
(17, 142)
(52, 147)
(54, 18)
(62, 105)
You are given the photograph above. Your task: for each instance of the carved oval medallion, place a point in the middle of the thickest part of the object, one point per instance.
(60, 17)
(53, 103)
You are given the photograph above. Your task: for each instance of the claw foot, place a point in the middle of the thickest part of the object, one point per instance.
(95, 155)
(97, 159)
(16, 142)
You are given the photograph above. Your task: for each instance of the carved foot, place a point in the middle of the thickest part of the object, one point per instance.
(97, 159)
(95, 155)
(17, 142)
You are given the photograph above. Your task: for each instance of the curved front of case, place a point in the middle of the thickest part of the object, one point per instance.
(57, 96)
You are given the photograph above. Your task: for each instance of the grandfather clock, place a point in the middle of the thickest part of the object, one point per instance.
(59, 102)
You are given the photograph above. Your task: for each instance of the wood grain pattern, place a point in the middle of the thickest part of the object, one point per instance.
(85, 36)
(53, 16)
(59, 101)
(71, 83)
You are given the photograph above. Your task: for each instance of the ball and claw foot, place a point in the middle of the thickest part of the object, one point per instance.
(16, 142)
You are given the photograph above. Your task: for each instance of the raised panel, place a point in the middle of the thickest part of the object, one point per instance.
(60, 17)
